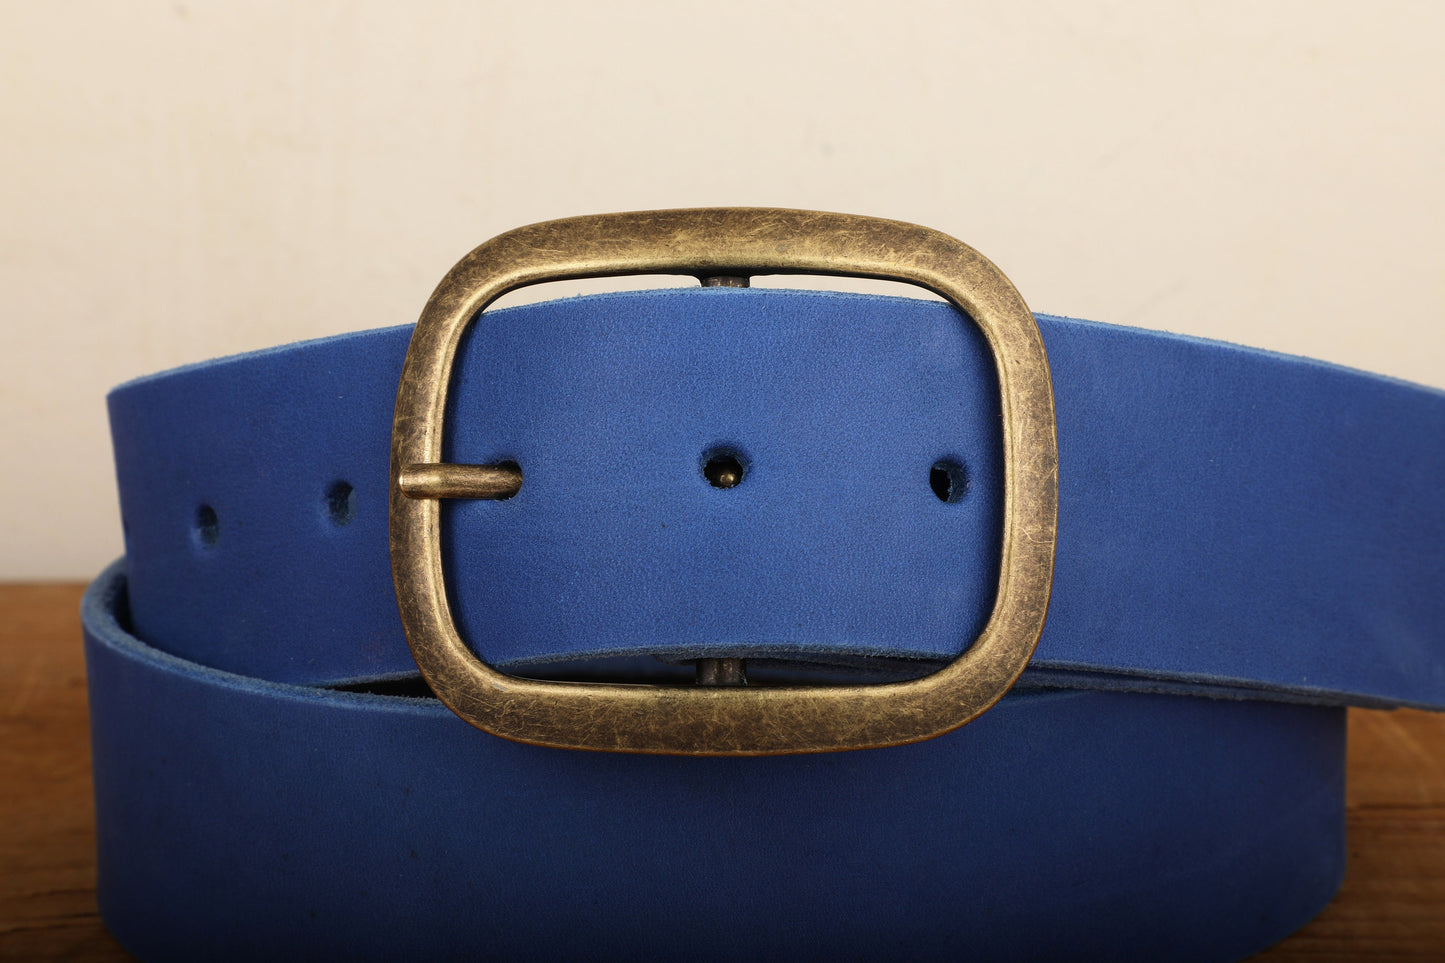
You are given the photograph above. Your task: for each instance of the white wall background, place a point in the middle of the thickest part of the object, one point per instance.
(182, 180)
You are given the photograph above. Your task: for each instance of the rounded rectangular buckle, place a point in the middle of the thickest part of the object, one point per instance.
(721, 720)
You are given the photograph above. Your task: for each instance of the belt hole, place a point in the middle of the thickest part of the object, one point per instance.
(723, 468)
(948, 480)
(340, 502)
(510, 466)
(207, 529)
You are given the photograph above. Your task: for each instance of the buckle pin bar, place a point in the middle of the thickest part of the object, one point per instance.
(451, 480)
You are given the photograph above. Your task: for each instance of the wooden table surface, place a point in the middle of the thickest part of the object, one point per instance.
(1392, 906)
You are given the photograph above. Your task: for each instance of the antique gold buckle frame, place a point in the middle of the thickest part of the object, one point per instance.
(721, 721)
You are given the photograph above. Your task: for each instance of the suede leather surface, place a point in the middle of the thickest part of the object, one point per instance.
(1231, 522)
(244, 819)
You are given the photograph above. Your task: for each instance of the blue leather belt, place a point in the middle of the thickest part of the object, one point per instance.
(1246, 544)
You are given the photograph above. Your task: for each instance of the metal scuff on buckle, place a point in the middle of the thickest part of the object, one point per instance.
(702, 720)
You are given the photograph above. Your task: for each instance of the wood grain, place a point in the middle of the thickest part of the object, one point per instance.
(1392, 905)
(47, 817)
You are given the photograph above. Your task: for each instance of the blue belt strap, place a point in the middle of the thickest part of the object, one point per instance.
(1231, 523)
(245, 819)
(1227, 517)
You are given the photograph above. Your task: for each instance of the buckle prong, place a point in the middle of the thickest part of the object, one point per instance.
(451, 480)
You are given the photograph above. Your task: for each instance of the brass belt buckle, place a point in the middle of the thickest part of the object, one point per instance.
(704, 720)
